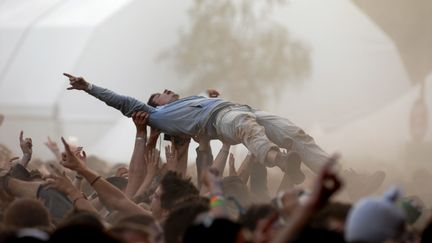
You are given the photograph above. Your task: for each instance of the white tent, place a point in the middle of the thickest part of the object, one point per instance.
(356, 70)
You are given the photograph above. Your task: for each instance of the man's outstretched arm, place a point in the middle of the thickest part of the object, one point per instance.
(127, 105)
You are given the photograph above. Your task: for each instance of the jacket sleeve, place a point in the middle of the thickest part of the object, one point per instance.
(125, 104)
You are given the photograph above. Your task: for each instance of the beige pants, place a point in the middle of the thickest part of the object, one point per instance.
(260, 132)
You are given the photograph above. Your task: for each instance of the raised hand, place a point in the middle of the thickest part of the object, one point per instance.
(171, 157)
(122, 172)
(25, 144)
(212, 93)
(327, 182)
(81, 154)
(60, 182)
(77, 83)
(70, 160)
(26, 148)
(152, 162)
(1, 119)
(52, 145)
(140, 118)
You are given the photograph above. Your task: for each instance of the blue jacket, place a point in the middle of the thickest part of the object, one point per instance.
(192, 116)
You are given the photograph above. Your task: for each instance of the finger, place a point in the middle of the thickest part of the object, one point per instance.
(68, 75)
(232, 170)
(66, 145)
(70, 88)
(21, 136)
(84, 155)
(13, 159)
(331, 161)
(231, 158)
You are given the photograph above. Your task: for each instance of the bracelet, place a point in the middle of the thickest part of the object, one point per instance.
(95, 179)
(216, 201)
(140, 138)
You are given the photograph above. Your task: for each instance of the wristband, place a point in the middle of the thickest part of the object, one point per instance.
(216, 201)
(94, 181)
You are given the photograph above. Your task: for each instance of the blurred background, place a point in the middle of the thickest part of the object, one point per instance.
(355, 74)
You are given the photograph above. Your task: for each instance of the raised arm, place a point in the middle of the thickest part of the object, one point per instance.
(108, 194)
(26, 148)
(221, 159)
(125, 104)
(326, 185)
(137, 166)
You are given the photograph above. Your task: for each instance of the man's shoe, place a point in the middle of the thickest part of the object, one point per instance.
(290, 164)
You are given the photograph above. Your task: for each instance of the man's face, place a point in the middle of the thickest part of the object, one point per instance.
(155, 205)
(167, 96)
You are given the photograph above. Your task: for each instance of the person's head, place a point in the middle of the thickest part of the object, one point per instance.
(214, 230)
(181, 218)
(173, 189)
(131, 233)
(81, 233)
(375, 219)
(27, 213)
(152, 228)
(254, 214)
(158, 99)
(85, 218)
(332, 216)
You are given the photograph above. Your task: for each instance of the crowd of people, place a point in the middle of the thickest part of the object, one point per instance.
(158, 198)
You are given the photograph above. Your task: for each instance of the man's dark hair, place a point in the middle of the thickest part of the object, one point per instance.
(175, 189)
(84, 218)
(333, 210)
(150, 101)
(181, 218)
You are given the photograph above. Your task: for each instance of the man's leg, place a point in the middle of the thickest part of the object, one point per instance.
(239, 125)
(286, 135)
